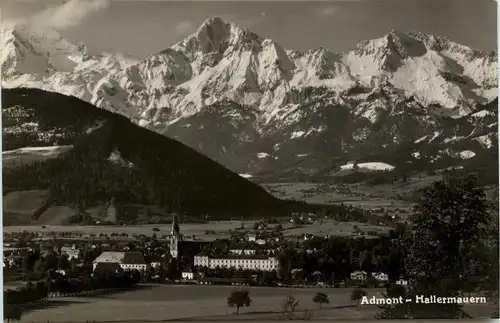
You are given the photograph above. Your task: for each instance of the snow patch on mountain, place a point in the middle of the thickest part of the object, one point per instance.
(485, 141)
(51, 151)
(370, 165)
(263, 155)
(116, 158)
(467, 154)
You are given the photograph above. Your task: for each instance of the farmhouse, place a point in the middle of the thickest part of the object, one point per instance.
(264, 263)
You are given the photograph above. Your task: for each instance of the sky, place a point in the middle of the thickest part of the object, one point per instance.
(139, 28)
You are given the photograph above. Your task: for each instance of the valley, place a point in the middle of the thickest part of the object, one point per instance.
(228, 177)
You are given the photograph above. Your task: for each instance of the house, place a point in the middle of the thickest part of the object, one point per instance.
(307, 236)
(61, 272)
(71, 252)
(126, 260)
(9, 262)
(359, 275)
(134, 260)
(189, 273)
(381, 277)
(109, 257)
(155, 261)
(401, 282)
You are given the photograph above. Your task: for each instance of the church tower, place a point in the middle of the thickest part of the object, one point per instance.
(175, 237)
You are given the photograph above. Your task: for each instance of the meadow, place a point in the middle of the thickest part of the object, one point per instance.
(171, 302)
(221, 229)
(156, 303)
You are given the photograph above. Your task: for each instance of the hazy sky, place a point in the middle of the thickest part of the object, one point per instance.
(139, 28)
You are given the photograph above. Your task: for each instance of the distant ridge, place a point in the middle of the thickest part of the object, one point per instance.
(161, 172)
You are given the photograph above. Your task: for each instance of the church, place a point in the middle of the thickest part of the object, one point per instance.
(184, 250)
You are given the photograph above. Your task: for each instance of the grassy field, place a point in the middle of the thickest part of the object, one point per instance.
(222, 229)
(359, 194)
(157, 303)
(28, 155)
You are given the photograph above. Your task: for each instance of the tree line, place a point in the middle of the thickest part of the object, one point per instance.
(62, 286)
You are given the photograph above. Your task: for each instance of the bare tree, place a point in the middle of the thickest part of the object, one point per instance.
(289, 307)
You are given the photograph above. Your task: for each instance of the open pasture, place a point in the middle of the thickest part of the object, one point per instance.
(168, 302)
(28, 155)
(198, 230)
(222, 229)
(334, 228)
(156, 303)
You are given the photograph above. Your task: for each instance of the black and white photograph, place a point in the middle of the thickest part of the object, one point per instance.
(239, 160)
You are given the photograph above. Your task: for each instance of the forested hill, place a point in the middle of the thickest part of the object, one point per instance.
(84, 156)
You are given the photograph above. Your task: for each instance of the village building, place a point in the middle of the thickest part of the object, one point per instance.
(380, 277)
(181, 248)
(71, 252)
(189, 273)
(126, 260)
(264, 263)
(106, 267)
(242, 251)
(401, 282)
(360, 276)
(155, 261)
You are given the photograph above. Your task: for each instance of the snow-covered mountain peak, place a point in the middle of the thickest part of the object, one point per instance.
(37, 51)
(213, 38)
(222, 62)
(386, 53)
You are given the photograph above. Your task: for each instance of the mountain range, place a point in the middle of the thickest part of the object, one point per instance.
(405, 100)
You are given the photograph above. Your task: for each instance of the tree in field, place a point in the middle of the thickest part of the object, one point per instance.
(444, 247)
(238, 299)
(357, 294)
(11, 313)
(321, 298)
(289, 307)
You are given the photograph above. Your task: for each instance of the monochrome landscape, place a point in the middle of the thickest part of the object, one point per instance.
(229, 177)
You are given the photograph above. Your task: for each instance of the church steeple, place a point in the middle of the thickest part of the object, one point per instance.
(175, 236)
(175, 225)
